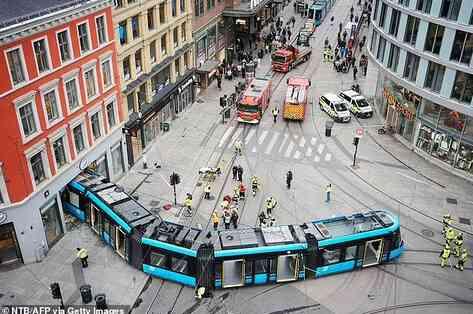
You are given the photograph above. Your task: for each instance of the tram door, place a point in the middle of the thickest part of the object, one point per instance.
(288, 267)
(373, 252)
(233, 274)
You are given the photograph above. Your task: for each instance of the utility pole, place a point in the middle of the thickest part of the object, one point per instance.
(174, 180)
(356, 141)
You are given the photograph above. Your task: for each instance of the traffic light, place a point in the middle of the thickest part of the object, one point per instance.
(174, 179)
(356, 140)
(55, 290)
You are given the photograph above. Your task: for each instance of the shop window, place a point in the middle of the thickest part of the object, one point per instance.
(434, 77)
(450, 9)
(382, 15)
(433, 41)
(117, 160)
(52, 222)
(261, 266)
(444, 147)
(393, 59)
(431, 111)
(122, 33)
(462, 47)
(157, 259)
(411, 67)
(394, 25)
(424, 6)
(412, 27)
(135, 27)
(180, 265)
(381, 49)
(464, 159)
(350, 253)
(468, 131)
(212, 40)
(452, 120)
(463, 87)
(330, 256)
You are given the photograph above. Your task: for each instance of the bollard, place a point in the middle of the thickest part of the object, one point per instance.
(328, 128)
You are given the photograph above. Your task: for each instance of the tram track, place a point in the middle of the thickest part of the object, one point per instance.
(416, 305)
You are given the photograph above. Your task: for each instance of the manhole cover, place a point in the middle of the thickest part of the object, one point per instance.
(154, 203)
(428, 233)
(452, 201)
(464, 221)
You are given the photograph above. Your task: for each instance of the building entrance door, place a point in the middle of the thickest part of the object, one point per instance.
(9, 249)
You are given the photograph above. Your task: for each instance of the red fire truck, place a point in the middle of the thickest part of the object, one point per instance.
(296, 98)
(285, 59)
(254, 101)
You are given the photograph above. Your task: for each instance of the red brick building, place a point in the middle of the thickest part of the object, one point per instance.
(60, 111)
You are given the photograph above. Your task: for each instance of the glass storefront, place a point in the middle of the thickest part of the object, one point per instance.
(100, 166)
(117, 160)
(9, 248)
(52, 222)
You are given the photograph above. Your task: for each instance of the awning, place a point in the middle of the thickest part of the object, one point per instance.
(208, 66)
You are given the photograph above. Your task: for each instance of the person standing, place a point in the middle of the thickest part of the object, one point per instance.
(444, 256)
(458, 245)
(234, 217)
(208, 188)
(219, 80)
(235, 172)
(270, 205)
(275, 113)
(242, 191)
(226, 219)
(262, 219)
(365, 66)
(288, 179)
(215, 220)
(328, 191)
(83, 255)
(238, 146)
(188, 203)
(240, 173)
(461, 260)
(355, 70)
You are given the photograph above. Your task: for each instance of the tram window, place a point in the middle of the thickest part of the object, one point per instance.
(248, 268)
(397, 239)
(261, 266)
(350, 253)
(158, 260)
(273, 264)
(179, 265)
(218, 271)
(106, 225)
(330, 256)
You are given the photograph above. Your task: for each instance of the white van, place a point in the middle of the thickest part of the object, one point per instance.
(335, 107)
(357, 104)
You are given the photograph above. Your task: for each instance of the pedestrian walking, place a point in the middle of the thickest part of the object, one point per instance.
(275, 113)
(340, 27)
(288, 179)
(238, 146)
(365, 66)
(450, 236)
(145, 161)
(461, 260)
(289, 34)
(293, 20)
(262, 219)
(215, 220)
(235, 172)
(328, 191)
(240, 173)
(207, 190)
(444, 256)
(219, 81)
(332, 20)
(458, 245)
(242, 190)
(355, 70)
(83, 255)
(227, 219)
(234, 218)
(270, 205)
(447, 221)
(188, 203)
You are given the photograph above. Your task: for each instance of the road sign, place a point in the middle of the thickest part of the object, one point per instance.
(359, 132)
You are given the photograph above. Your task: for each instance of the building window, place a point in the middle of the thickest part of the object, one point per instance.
(374, 39)
(135, 27)
(186, 60)
(64, 45)
(142, 95)
(51, 105)
(174, 7)
(107, 76)
(381, 49)
(151, 24)
(177, 67)
(59, 150)
(403, 2)
(122, 32)
(101, 29)
(471, 18)
(41, 55)
(28, 119)
(111, 118)
(462, 47)
(412, 27)
(410, 69)
(375, 11)
(182, 5)
(126, 68)
(119, 3)
(117, 160)
(16, 66)
(424, 6)
(393, 58)
(96, 128)
(463, 87)
(450, 9)
(210, 4)
(130, 99)
(78, 134)
(72, 94)
(394, 25)
(175, 36)
(138, 63)
(183, 32)
(38, 168)
(162, 13)
(84, 43)
(201, 8)
(163, 44)
(434, 77)
(433, 41)
(90, 83)
(152, 51)
(382, 15)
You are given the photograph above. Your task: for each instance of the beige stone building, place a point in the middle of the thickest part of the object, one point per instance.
(155, 58)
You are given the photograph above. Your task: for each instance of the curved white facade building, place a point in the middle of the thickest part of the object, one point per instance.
(423, 49)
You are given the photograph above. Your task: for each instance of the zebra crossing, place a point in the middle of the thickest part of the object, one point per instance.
(269, 142)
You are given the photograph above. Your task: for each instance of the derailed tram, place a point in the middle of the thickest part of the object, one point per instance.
(231, 258)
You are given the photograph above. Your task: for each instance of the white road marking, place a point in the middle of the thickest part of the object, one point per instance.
(250, 135)
(302, 142)
(321, 147)
(313, 140)
(262, 137)
(289, 149)
(411, 178)
(308, 153)
(297, 155)
(235, 137)
(328, 157)
(272, 142)
(225, 136)
(283, 143)
(316, 158)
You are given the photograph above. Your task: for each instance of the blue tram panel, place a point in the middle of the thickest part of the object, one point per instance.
(231, 258)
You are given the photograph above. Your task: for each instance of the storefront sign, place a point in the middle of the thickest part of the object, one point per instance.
(189, 82)
(3, 217)
(393, 102)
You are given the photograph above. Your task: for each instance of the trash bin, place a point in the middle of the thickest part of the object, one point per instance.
(101, 301)
(86, 294)
(165, 126)
(328, 128)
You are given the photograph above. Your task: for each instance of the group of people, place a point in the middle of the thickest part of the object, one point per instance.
(453, 242)
(279, 34)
